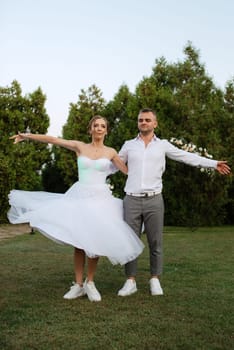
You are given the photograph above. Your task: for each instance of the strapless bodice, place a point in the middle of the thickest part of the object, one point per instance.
(93, 171)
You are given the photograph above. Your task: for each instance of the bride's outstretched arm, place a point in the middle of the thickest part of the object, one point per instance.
(69, 144)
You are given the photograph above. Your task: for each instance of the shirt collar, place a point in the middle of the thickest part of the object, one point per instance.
(138, 138)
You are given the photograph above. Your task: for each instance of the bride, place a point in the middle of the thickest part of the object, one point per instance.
(87, 217)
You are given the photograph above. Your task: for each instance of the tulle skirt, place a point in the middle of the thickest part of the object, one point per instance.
(86, 217)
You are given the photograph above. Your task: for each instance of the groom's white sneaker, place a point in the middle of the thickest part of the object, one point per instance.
(129, 288)
(155, 287)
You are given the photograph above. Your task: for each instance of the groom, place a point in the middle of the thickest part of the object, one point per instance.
(145, 156)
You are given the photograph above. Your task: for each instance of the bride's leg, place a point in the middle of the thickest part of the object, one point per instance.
(77, 289)
(79, 263)
(89, 286)
(92, 266)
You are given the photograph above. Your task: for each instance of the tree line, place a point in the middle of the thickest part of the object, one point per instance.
(192, 111)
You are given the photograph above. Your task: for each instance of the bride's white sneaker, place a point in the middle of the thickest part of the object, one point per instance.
(129, 288)
(75, 291)
(91, 291)
(155, 287)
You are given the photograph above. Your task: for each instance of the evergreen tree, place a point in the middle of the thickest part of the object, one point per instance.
(227, 127)
(191, 108)
(21, 164)
(89, 103)
(121, 112)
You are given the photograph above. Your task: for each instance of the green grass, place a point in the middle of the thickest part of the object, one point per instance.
(196, 311)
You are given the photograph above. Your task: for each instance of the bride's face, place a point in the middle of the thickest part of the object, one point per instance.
(98, 127)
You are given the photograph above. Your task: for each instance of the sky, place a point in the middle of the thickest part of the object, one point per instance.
(64, 46)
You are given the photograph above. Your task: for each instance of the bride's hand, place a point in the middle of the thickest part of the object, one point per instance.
(17, 138)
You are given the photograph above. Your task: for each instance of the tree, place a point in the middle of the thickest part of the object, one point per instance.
(21, 164)
(228, 139)
(190, 107)
(89, 103)
(52, 178)
(121, 112)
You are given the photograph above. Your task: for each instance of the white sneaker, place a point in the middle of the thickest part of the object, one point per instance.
(75, 291)
(128, 288)
(91, 291)
(155, 287)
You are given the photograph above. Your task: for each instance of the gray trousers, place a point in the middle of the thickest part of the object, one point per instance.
(150, 212)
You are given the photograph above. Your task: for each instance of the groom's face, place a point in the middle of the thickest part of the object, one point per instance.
(147, 122)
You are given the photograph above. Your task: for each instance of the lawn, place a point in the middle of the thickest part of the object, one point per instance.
(195, 312)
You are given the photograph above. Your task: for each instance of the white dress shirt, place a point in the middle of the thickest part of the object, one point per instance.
(146, 164)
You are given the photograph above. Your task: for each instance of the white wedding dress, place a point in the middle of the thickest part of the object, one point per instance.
(87, 216)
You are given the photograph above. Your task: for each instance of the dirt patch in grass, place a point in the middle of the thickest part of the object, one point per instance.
(7, 231)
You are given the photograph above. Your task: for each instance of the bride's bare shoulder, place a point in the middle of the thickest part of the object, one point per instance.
(111, 151)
